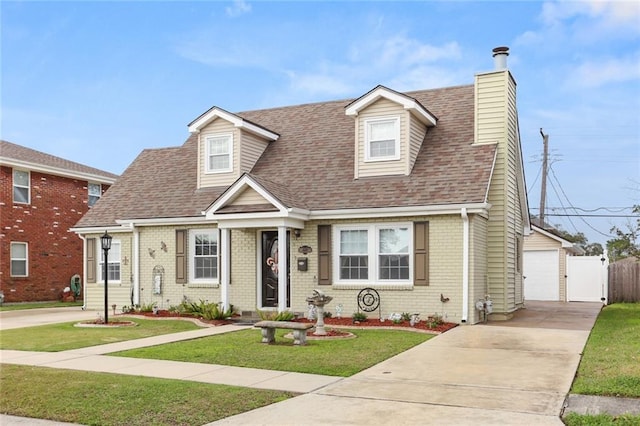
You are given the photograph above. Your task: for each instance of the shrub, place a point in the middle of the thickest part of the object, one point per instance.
(276, 316)
(206, 310)
(359, 316)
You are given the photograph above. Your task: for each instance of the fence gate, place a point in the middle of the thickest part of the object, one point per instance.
(587, 279)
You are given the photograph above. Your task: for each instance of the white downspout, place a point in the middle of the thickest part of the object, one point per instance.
(224, 268)
(84, 271)
(465, 265)
(136, 266)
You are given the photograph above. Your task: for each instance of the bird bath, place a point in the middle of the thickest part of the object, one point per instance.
(319, 299)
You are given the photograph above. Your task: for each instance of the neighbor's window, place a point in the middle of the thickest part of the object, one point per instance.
(113, 268)
(203, 246)
(21, 192)
(95, 192)
(219, 153)
(382, 139)
(19, 259)
(374, 253)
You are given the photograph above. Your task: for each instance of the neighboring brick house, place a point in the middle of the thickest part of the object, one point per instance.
(42, 197)
(417, 195)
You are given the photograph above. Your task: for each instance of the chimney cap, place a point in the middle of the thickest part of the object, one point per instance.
(501, 50)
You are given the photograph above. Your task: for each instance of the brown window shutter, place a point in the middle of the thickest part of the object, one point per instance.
(91, 260)
(181, 256)
(324, 254)
(421, 253)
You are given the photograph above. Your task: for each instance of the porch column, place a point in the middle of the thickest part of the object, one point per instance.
(225, 267)
(282, 268)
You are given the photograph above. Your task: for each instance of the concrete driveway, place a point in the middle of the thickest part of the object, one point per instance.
(512, 373)
(32, 317)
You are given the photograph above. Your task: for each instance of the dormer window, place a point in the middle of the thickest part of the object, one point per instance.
(382, 139)
(219, 153)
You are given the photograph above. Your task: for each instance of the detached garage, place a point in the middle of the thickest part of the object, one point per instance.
(545, 265)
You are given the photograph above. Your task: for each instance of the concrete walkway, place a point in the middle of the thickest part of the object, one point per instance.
(518, 372)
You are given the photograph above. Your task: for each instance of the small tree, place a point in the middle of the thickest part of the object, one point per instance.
(627, 242)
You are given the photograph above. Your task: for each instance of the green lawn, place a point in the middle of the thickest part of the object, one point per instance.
(64, 336)
(37, 305)
(611, 362)
(342, 357)
(610, 365)
(118, 400)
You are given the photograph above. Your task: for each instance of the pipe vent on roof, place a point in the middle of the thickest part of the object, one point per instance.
(500, 58)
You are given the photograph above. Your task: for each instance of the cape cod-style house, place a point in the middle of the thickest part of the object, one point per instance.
(418, 195)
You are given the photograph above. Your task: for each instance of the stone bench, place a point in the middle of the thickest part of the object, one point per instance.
(269, 330)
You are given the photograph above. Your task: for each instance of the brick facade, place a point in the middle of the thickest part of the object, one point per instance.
(54, 252)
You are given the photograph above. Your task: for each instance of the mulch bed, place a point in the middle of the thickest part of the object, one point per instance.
(329, 322)
(374, 322)
(164, 314)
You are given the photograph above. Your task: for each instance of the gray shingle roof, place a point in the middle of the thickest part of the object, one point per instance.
(311, 165)
(11, 151)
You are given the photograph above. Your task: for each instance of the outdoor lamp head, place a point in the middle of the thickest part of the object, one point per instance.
(105, 240)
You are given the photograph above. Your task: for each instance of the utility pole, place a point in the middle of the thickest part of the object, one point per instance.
(543, 187)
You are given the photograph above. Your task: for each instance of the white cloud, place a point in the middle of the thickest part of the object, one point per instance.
(593, 74)
(239, 7)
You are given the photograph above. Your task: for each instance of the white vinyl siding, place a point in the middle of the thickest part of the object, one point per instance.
(19, 260)
(95, 192)
(398, 164)
(373, 254)
(113, 260)
(21, 187)
(203, 256)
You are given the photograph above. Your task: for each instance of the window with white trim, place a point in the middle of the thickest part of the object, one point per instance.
(19, 259)
(113, 260)
(382, 139)
(376, 253)
(219, 153)
(204, 255)
(21, 187)
(95, 192)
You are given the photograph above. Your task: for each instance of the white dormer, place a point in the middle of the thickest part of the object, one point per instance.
(228, 146)
(390, 128)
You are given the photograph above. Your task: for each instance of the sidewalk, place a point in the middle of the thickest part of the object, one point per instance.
(517, 372)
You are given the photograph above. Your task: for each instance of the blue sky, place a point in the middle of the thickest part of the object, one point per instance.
(98, 82)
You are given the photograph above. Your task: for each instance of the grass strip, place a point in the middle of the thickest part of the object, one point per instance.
(341, 357)
(64, 336)
(574, 419)
(610, 365)
(114, 400)
(37, 305)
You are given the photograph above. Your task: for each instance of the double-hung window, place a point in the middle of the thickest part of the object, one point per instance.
(113, 262)
(219, 153)
(21, 185)
(95, 192)
(382, 137)
(204, 249)
(19, 260)
(377, 253)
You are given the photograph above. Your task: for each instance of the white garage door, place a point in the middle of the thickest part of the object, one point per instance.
(541, 269)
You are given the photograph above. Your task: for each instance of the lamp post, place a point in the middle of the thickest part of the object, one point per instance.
(105, 241)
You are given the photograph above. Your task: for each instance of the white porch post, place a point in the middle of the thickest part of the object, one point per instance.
(225, 267)
(282, 268)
